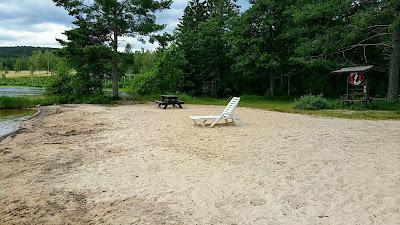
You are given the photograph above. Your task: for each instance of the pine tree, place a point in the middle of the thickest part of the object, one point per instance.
(117, 18)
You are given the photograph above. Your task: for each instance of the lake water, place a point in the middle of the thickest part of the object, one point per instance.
(20, 92)
(9, 118)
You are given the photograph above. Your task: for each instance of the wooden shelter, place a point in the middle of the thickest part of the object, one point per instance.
(357, 84)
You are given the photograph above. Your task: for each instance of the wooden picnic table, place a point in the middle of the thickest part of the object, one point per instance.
(169, 100)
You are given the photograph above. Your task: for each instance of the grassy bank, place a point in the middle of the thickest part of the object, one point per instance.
(26, 102)
(34, 81)
(32, 101)
(378, 110)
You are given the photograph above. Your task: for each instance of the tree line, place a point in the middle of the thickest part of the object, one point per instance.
(37, 60)
(275, 48)
(21, 51)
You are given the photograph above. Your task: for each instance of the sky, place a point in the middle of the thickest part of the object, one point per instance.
(40, 22)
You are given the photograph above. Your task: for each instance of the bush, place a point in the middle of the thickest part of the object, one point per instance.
(60, 83)
(311, 102)
(144, 83)
(384, 105)
(169, 71)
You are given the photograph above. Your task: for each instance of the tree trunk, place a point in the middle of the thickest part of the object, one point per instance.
(394, 69)
(288, 84)
(115, 66)
(271, 85)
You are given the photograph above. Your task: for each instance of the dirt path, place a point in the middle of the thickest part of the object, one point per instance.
(141, 165)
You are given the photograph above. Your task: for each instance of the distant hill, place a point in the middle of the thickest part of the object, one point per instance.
(20, 51)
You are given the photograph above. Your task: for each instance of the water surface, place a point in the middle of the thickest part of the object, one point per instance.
(9, 119)
(20, 91)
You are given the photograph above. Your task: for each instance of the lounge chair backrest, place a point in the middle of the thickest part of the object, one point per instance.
(231, 106)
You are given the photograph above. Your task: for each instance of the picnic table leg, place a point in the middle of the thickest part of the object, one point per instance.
(166, 105)
(180, 106)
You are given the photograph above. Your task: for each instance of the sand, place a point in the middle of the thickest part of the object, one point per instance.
(136, 164)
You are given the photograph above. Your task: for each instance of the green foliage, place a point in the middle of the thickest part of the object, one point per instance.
(32, 101)
(27, 58)
(89, 57)
(201, 39)
(91, 70)
(138, 61)
(60, 82)
(170, 76)
(21, 51)
(284, 48)
(26, 102)
(385, 105)
(261, 48)
(287, 105)
(144, 83)
(311, 102)
(18, 65)
(34, 81)
(165, 76)
(105, 21)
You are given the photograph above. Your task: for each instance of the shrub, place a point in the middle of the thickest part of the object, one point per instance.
(311, 102)
(144, 83)
(60, 83)
(169, 71)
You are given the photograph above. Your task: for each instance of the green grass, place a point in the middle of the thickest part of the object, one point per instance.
(44, 100)
(379, 110)
(34, 81)
(26, 102)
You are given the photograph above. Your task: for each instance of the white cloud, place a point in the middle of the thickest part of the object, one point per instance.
(43, 34)
(40, 22)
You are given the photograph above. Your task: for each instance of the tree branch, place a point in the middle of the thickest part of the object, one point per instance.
(121, 7)
(365, 55)
(376, 26)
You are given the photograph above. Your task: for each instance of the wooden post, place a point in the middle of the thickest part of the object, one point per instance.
(348, 94)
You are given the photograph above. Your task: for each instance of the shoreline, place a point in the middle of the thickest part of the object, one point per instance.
(18, 125)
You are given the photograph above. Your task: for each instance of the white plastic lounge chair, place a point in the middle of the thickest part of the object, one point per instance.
(227, 114)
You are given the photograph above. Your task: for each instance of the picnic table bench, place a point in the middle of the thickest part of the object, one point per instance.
(169, 100)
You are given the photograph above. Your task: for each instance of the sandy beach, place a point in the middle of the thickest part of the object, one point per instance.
(136, 164)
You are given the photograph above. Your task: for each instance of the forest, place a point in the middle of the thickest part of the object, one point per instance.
(280, 48)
